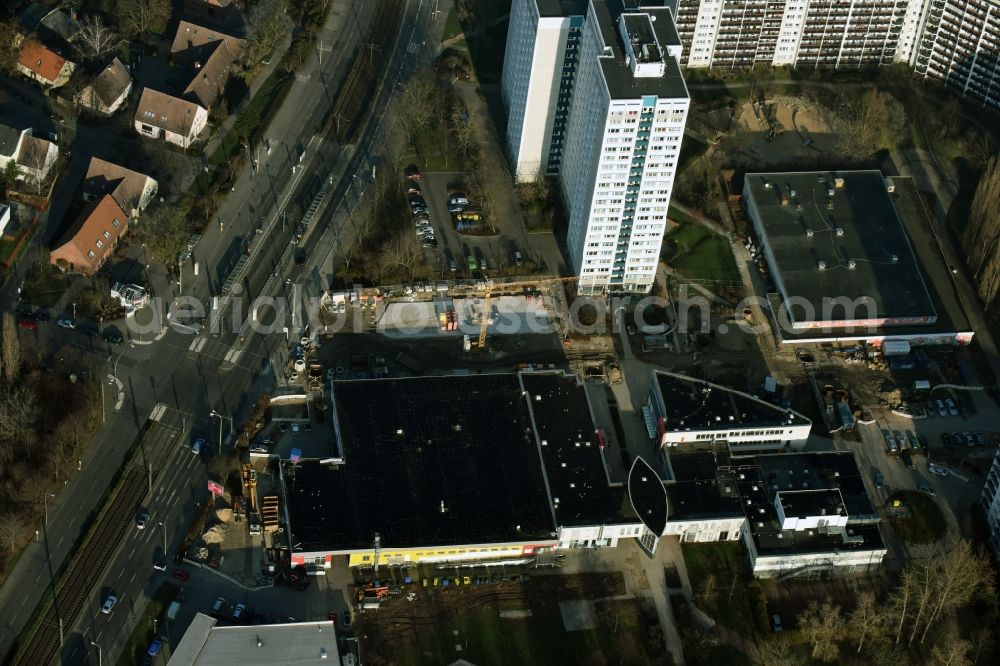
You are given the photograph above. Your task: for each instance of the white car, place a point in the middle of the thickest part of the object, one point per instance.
(65, 322)
(109, 603)
(942, 410)
(951, 407)
(937, 469)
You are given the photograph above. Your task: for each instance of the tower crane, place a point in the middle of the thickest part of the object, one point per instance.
(488, 295)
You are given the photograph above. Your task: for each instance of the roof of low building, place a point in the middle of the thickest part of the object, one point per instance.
(166, 111)
(697, 405)
(836, 234)
(430, 461)
(9, 138)
(205, 643)
(701, 487)
(111, 82)
(562, 7)
(34, 152)
(42, 61)
(211, 53)
(125, 185)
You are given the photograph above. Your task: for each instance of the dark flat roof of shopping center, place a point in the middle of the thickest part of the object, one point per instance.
(760, 477)
(413, 446)
(702, 488)
(574, 464)
(562, 7)
(858, 225)
(694, 404)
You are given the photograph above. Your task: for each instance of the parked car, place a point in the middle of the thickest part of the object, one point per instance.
(430, 242)
(879, 479)
(518, 259)
(412, 172)
(413, 187)
(217, 606)
(181, 575)
(42, 316)
(113, 337)
(941, 409)
(980, 438)
(472, 263)
(776, 621)
(925, 488)
(109, 604)
(238, 612)
(198, 445)
(160, 565)
(452, 264)
(937, 469)
(946, 440)
(27, 322)
(907, 458)
(66, 322)
(303, 584)
(951, 406)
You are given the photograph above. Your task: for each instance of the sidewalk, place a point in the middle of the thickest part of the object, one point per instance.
(255, 86)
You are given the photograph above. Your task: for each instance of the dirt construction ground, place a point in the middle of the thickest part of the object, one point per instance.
(579, 619)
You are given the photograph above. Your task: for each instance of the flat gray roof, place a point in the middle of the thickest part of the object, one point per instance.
(206, 644)
(851, 244)
(621, 83)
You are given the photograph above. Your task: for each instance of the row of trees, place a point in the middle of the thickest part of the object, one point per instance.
(919, 610)
(981, 236)
(45, 421)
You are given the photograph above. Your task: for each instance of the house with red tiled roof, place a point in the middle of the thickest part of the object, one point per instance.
(92, 238)
(43, 65)
(163, 116)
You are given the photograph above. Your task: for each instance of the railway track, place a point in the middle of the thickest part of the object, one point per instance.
(367, 70)
(74, 584)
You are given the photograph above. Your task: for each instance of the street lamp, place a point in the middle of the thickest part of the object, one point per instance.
(163, 530)
(214, 414)
(100, 653)
(45, 506)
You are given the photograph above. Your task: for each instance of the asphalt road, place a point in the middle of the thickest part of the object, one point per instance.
(192, 384)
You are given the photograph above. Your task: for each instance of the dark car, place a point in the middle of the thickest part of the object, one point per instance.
(303, 584)
(907, 458)
(412, 172)
(300, 256)
(89, 331)
(879, 480)
(42, 316)
(113, 337)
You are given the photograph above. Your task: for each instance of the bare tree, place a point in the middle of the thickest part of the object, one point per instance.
(94, 39)
(164, 231)
(10, 44)
(866, 619)
(776, 650)
(18, 415)
(982, 641)
(267, 29)
(981, 239)
(823, 626)
(961, 573)
(951, 650)
(11, 530)
(139, 17)
(10, 349)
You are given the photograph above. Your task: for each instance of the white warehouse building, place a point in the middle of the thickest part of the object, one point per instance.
(609, 120)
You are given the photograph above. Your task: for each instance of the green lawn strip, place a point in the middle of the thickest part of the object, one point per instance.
(45, 287)
(452, 27)
(700, 253)
(924, 522)
(485, 637)
(142, 634)
(734, 592)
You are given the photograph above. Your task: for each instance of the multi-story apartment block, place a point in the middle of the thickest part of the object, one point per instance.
(991, 503)
(956, 41)
(543, 45)
(615, 148)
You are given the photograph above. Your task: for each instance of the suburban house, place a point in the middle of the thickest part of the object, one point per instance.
(176, 120)
(43, 65)
(92, 239)
(218, 9)
(131, 190)
(108, 90)
(209, 55)
(60, 23)
(33, 156)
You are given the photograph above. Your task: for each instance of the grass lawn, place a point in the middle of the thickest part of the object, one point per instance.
(44, 287)
(452, 28)
(722, 586)
(485, 638)
(699, 253)
(924, 522)
(6, 249)
(142, 635)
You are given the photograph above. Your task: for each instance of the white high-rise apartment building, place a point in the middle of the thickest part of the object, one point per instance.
(991, 503)
(956, 41)
(543, 44)
(621, 139)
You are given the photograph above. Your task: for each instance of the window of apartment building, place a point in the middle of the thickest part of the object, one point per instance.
(90, 253)
(100, 243)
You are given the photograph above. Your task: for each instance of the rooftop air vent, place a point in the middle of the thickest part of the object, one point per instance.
(821, 266)
(810, 233)
(851, 264)
(894, 259)
(839, 231)
(767, 185)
